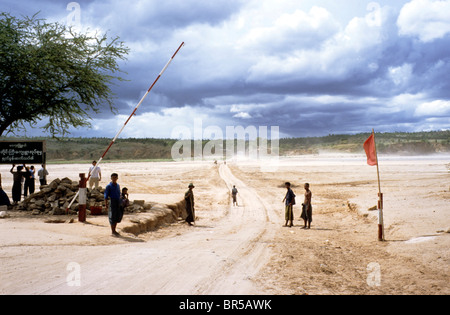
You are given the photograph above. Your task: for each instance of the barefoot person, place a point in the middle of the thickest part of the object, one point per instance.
(189, 199)
(307, 208)
(115, 211)
(289, 200)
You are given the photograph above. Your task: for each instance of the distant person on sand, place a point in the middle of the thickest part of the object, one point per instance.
(307, 207)
(289, 201)
(115, 211)
(95, 176)
(17, 183)
(189, 199)
(234, 193)
(43, 173)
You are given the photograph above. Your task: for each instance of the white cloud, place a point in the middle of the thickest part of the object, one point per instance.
(426, 19)
(401, 75)
(405, 103)
(290, 31)
(342, 53)
(243, 115)
(434, 108)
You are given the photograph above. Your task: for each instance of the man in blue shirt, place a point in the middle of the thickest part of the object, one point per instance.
(115, 211)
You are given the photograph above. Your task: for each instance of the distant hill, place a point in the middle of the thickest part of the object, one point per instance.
(88, 149)
(400, 143)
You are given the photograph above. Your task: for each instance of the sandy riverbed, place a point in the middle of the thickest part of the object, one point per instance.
(245, 249)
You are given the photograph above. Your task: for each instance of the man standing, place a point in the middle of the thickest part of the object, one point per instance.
(189, 199)
(289, 200)
(307, 208)
(42, 173)
(234, 193)
(29, 181)
(115, 211)
(17, 183)
(95, 175)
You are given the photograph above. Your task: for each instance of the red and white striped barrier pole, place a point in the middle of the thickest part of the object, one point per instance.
(82, 198)
(126, 122)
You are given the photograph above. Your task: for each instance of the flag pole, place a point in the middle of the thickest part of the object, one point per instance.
(126, 122)
(380, 196)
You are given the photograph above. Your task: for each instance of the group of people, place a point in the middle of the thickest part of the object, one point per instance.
(24, 178)
(116, 199)
(24, 175)
(289, 200)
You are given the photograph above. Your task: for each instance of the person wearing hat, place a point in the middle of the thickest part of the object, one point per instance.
(189, 199)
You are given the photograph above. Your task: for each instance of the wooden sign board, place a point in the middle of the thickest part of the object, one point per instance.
(22, 152)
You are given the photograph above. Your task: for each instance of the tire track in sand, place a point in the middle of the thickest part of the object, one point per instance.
(251, 219)
(223, 258)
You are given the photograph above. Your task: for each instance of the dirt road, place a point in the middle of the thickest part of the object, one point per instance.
(245, 249)
(221, 257)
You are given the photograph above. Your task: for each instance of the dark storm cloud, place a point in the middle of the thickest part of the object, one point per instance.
(155, 20)
(275, 63)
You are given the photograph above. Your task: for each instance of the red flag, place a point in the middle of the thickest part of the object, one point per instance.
(369, 147)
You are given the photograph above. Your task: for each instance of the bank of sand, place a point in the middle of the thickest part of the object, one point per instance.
(245, 250)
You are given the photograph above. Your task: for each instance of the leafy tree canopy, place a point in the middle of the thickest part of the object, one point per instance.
(47, 70)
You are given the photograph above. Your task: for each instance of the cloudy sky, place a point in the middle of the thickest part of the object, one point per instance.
(310, 67)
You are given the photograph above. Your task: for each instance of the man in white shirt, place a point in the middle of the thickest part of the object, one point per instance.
(95, 176)
(42, 173)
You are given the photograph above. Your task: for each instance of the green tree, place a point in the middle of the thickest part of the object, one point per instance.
(47, 70)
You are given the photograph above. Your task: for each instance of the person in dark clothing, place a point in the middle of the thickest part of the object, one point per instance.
(289, 200)
(307, 207)
(234, 193)
(29, 181)
(17, 183)
(115, 211)
(189, 199)
(125, 202)
(4, 199)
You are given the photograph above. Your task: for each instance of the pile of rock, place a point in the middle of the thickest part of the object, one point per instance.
(54, 198)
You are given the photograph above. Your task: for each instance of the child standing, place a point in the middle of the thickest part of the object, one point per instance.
(125, 202)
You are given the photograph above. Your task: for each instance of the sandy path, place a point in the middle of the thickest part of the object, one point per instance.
(219, 257)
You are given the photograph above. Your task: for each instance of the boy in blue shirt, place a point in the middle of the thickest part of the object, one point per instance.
(115, 211)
